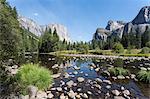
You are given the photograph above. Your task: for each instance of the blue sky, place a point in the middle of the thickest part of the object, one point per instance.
(81, 17)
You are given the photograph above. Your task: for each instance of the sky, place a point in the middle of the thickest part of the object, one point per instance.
(81, 17)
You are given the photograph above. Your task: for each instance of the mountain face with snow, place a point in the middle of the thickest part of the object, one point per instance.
(38, 30)
(119, 28)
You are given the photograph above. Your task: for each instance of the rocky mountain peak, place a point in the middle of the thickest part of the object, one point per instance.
(61, 30)
(114, 25)
(30, 25)
(143, 16)
(38, 30)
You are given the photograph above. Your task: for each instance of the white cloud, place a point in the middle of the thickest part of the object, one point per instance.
(35, 14)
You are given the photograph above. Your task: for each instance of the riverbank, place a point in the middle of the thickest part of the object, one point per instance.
(104, 56)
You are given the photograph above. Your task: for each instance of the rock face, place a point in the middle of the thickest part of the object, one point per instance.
(61, 30)
(143, 16)
(38, 30)
(30, 25)
(101, 34)
(118, 28)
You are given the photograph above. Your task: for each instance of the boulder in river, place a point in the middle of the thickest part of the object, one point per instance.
(115, 92)
(80, 79)
(32, 91)
(70, 83)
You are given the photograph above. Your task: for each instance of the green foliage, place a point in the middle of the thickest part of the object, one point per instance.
(82, 47)
(116, 71)
(33, 74)
(136, 55)
(118, 62)
(118, 48)
(145, 50)
(148, 44)
(50, 42)
(144, 76)
(10, 43)
(145, 37)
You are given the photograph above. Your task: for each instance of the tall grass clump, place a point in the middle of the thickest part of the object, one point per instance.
(144, 76)
(116, 71)
(33, 74)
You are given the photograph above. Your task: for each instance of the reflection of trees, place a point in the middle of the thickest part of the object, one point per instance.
(101, 62)
(79, 62)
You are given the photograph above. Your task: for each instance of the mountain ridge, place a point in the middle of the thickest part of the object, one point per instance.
(119, 28)
(39, 30)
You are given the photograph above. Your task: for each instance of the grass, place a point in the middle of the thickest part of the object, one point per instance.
(126, 53)
(135, 55)
(116, 71)
(33, 74)
(144, 76)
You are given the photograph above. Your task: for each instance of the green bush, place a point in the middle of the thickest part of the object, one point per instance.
(33, 74)
(148, 44)
(144, 76)
(145, 50)
(136, 55)
(118, 62)
(116, 71)
(118, 48)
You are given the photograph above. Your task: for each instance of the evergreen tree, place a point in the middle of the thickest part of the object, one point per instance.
(145, 37)
(10, 43)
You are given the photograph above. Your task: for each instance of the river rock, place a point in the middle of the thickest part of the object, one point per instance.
(80, 79)
(25, 97)
(120, 77)
(89, 92)
(72, 94)
(55, 66)
(56, 75)
(66, 75)
(41, 95)
(115, 92)
(148, 68)
(132, 76)
(75, 72)
(114, 78)
(143, 68)
(62, 96)
(62, 83)
(118, 97)
(122, 88)
(107, 81)
(70, 83)
(98, 80)
(97, 69)
(59, 89)
(86, 75)
(50, 95)
(78, 96)
(106, 73)
(127, 92)
(97, 86)
(85, 96)
(93, 65)
(81, 72)
(108, 86)
(79, 89)
(32, 91)
(76, 67)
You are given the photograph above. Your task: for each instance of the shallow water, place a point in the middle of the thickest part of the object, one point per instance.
(138, 89)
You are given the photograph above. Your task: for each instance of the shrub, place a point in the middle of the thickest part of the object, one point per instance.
(116, 71)
(148, 44)
(144, 76)
(118, 62)
(118, 48)
(145, 50)
(33, 74)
